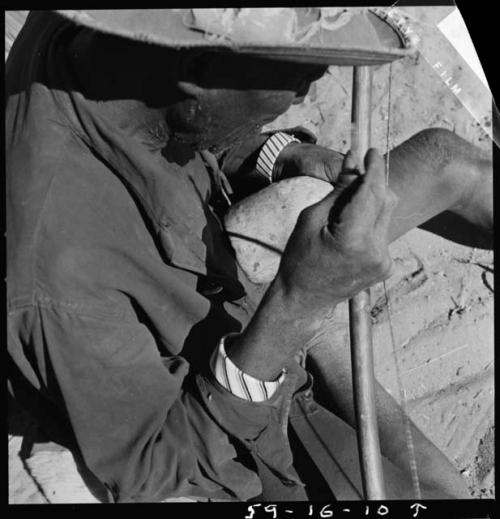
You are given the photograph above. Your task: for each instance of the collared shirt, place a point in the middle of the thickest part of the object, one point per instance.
(120, 283)
(238, 382)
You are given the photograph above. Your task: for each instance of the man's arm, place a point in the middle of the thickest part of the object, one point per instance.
(239, 163)
(143, 427)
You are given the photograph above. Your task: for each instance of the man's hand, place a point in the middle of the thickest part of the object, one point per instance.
(340, 245)
(308, 160)
(338, 248)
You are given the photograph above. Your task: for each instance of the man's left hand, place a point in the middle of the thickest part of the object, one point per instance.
(311, 160)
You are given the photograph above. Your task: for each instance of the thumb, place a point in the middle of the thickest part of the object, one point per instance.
(349, 173)
(350, 164)
(332, 204)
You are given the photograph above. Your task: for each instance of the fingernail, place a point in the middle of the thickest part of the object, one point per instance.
(350, 161)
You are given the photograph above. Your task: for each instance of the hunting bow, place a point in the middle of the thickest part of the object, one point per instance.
(363, 376)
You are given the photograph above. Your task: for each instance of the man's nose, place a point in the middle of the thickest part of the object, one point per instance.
(298, 99)
(301, 92)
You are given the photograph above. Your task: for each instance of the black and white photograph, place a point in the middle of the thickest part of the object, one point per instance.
(249, 260)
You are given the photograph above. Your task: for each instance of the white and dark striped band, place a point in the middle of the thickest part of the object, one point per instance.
(238, 383)
(270, 151)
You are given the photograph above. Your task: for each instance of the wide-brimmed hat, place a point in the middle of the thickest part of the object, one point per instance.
(326, 36)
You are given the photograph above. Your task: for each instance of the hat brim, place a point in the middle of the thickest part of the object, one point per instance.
(349, 56)
(368, 38)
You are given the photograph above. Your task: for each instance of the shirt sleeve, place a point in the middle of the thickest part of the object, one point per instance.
(236, 381)
(144, 425)
(239, 163)
(269, 152)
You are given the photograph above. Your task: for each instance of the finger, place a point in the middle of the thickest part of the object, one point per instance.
(350, 163)
(335, 207)
(349, 172)
(332, 166)
(374, 168)
(321, 210)
(373, 179)
(366, 202)
(356, 200)
(369, 198)
(385, 215)
(361, 210)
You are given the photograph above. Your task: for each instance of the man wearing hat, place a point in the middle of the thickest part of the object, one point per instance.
(135, 339)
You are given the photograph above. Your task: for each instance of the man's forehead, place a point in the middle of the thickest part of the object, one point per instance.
(248, 72)
(251, 62)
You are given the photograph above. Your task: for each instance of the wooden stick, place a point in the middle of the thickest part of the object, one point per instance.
(359, 314)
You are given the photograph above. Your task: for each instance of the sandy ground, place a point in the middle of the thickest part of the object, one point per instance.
(441, 297)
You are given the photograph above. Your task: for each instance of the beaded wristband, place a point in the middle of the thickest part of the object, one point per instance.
(270, 151)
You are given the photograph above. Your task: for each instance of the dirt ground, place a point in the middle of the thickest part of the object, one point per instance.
(441, 297)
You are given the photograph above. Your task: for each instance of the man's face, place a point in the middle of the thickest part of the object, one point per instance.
(209, 100)
(234, 96)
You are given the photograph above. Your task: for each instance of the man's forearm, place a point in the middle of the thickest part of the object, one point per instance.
(281, 326)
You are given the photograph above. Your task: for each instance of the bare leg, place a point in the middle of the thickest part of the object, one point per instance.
(445, 185)
(329, 362)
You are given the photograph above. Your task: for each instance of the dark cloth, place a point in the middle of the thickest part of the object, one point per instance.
(120, 283)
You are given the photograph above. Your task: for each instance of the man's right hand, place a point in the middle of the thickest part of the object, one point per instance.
(340, 245)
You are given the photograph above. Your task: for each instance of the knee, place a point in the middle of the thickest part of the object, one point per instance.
(441, 147)
(459, 169)
(451, 160)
